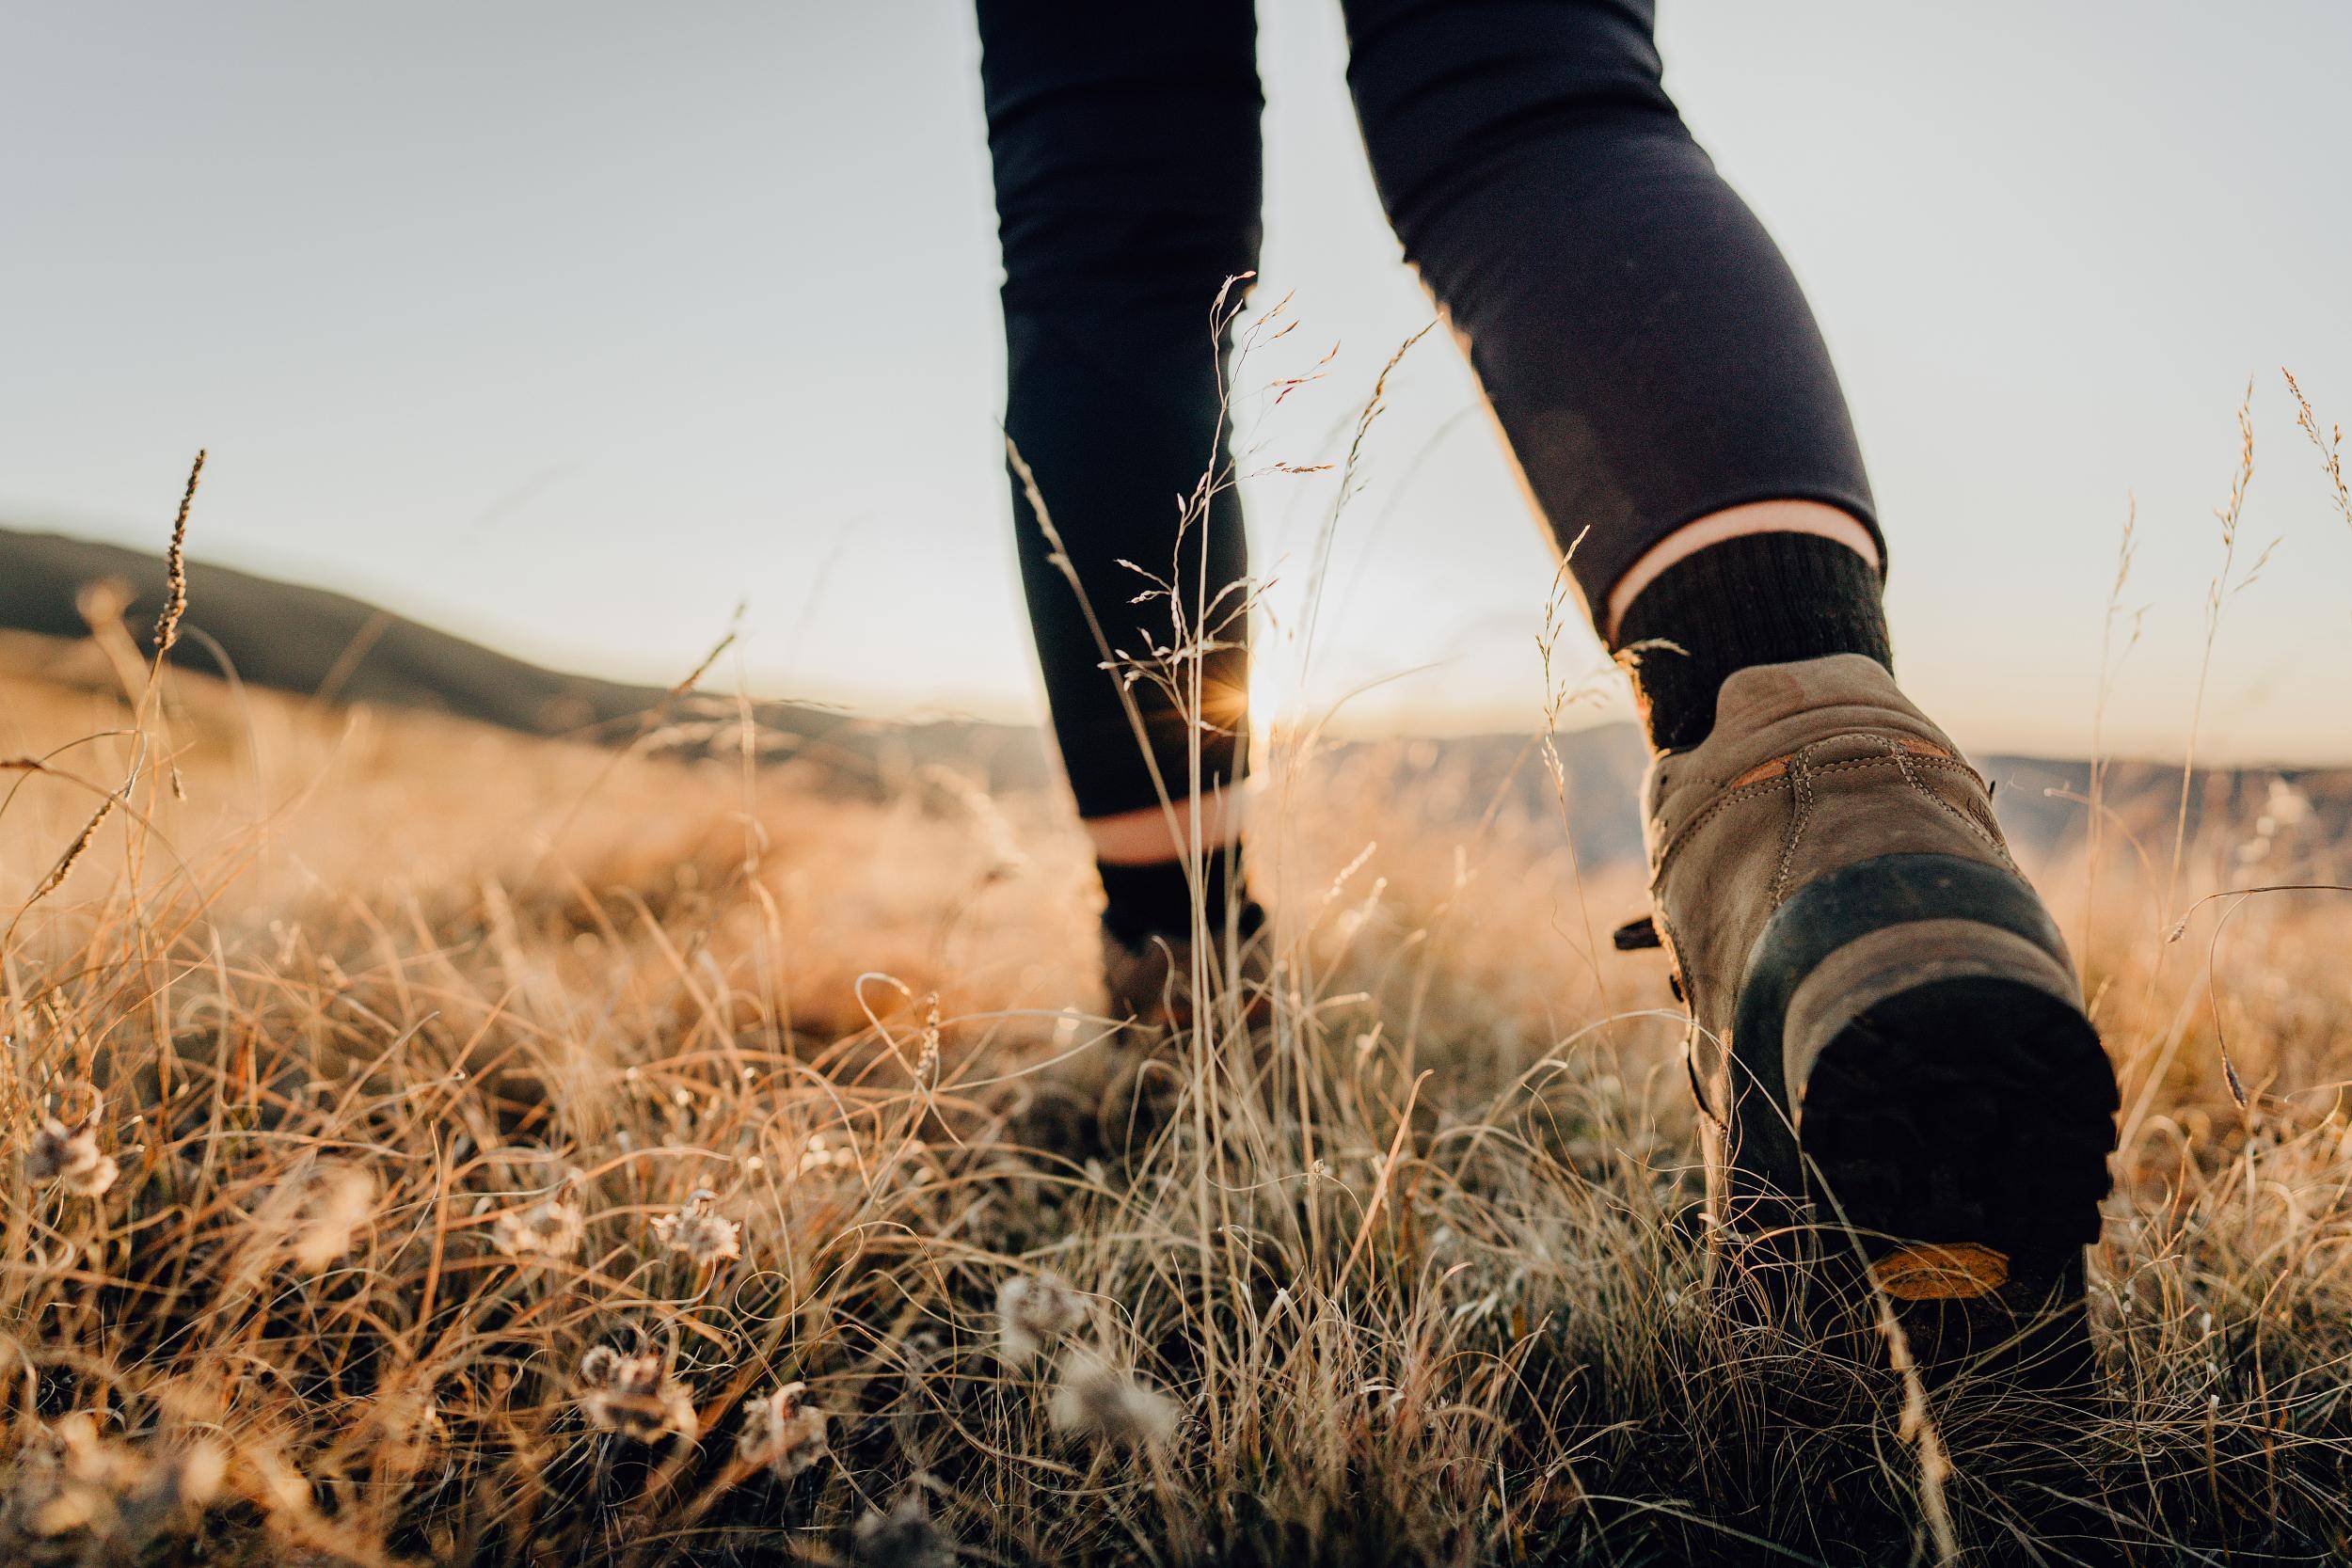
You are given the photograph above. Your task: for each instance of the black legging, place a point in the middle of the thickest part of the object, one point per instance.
(1647, 351)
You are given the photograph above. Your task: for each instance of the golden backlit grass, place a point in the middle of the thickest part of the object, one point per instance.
(429, 1145)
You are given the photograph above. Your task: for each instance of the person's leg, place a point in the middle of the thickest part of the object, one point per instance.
(1125, 142)
(1650, 355)
(1889, 1029)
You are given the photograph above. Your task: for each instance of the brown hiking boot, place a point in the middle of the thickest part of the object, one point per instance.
(1149, 983)
(1889, 1039)
(1150, 988)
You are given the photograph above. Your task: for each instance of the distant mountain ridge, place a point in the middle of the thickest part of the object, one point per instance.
(2043, 801)
(314, 643)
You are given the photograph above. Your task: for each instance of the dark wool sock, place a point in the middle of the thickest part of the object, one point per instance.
(1146, 901)
(1760, 598)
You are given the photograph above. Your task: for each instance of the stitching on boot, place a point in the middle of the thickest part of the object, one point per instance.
(1801, 781)
(1915, 761)
(1764, 776)
(1911, 775)
(1691, 1040)
(1904, 752)
(1749, 792)
(1719, 802)
(1982, 815)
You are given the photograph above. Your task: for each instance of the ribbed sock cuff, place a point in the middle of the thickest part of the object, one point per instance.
(1759, 598)
(1141, 902)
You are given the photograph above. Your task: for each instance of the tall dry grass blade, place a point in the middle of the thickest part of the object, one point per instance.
(2218, 594)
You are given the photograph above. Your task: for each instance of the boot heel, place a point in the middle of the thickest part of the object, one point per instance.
(1932, 1099)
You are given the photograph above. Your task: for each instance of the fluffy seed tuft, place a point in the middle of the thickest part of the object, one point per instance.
(1032, 1313)
(341, 1204)
(699, 1232)
(901, 1537)
(782, 1432)
(1098, 1402)
(634, 1396)
(71, 1157)
(551, 1227)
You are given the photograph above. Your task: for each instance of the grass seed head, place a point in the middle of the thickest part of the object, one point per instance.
(927, 1056)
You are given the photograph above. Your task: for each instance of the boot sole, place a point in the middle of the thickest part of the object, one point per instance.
(1951, 1109)
(1973, 1110)
(1959, 1131)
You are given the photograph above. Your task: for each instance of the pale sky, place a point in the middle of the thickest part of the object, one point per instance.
(567, 325)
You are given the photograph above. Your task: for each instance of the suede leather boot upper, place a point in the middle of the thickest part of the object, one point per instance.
(1886, 1022)
(1810, 766)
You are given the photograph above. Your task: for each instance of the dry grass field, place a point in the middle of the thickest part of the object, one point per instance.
(430, 1145)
